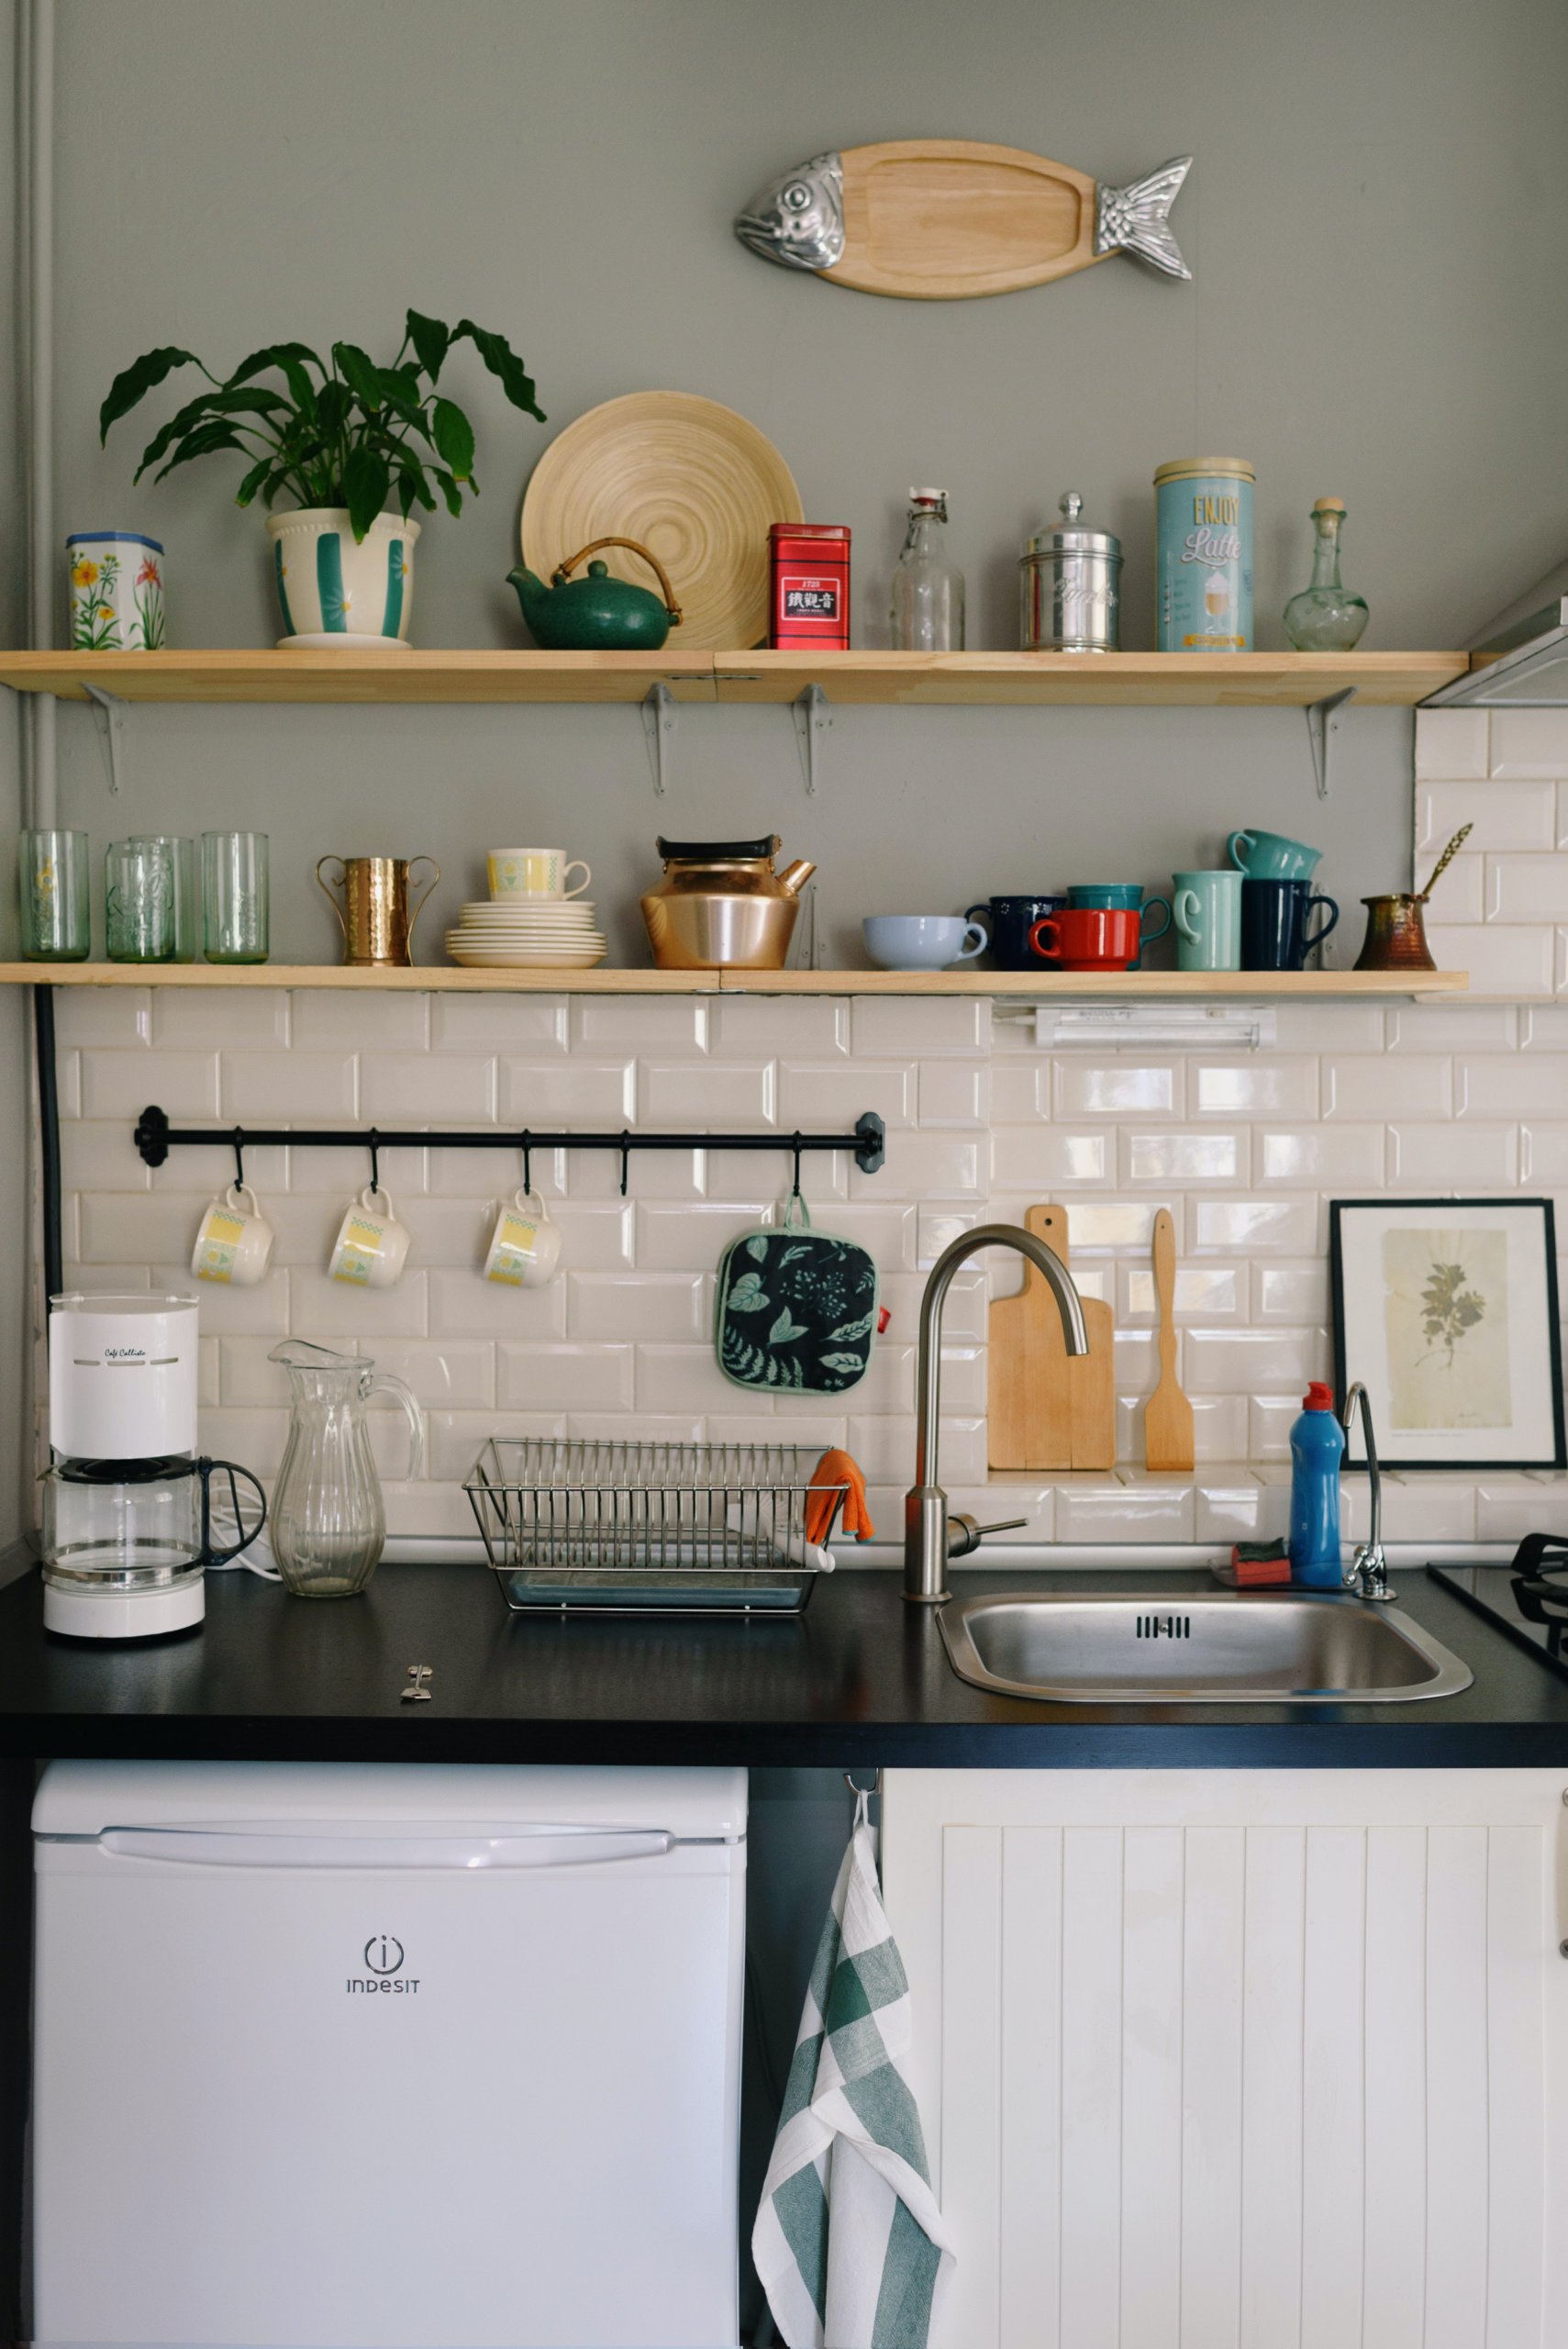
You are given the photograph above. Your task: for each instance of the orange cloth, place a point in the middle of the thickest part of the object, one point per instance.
(837, 1469)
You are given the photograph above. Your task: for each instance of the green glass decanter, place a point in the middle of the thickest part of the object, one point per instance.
(1326, 618)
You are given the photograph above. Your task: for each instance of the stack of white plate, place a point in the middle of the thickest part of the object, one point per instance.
(527, 933)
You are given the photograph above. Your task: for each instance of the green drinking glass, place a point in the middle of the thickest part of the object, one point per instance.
(52, 875)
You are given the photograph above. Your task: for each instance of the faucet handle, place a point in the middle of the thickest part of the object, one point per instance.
(964, 1535)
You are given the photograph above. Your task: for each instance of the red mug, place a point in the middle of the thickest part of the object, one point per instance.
(1088, 938)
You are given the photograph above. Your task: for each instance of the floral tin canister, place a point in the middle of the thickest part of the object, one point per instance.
(116, 592)
(1203, 513)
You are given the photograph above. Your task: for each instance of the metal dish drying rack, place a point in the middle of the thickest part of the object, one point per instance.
(649, 1527)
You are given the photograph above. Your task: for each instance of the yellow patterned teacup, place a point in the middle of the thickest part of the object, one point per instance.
(234, 1240)
(534, 873)
(525, 1246)
(371, 1246)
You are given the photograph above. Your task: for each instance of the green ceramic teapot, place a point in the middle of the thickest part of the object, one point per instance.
(596, 613)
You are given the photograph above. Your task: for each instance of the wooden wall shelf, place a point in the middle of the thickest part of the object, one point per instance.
(1129, 986)
(881, 680)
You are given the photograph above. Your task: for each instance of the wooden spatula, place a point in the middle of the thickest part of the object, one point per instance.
(1168, 1416)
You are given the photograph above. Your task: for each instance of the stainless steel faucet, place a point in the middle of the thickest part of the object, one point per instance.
(1368, 1572)
(930, 1536)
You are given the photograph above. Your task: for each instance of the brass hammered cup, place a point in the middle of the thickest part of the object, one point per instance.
(374, 911)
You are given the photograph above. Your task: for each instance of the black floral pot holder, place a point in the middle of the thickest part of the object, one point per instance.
(797, 1310)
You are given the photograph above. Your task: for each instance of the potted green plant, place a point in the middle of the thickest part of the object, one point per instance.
(349, 441)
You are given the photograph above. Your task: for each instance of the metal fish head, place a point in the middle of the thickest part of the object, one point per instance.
(798, 219)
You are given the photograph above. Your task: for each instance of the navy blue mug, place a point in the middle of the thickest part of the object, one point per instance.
(1274, 915)
(1008, 922)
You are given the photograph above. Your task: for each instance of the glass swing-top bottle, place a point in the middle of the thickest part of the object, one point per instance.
(927, 590)
(1326, 618)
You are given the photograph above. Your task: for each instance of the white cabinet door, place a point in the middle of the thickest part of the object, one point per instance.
(1242, 2060)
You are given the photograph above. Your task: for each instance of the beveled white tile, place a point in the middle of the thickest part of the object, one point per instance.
(827, 1095)
(1206, 1155)
(936, 1229)
(457, 1437)
(692, 1238)
(650, 1174)
(254, 1439)
(1462, 892)
(1219, 1429)
(1270, 1418)
(427, 1088)
(962, 1451)
(759, 1026)
(248, 1378)
(445, 1374)
(1137, 1365)
(682, 1378)
(917, 1027)
(954, 1093)
(121, 1083)
(1529, 741)
(1505, 816)
(647, 1427)
(1294, 1294)
(824, 1175)
(1036, 1159)
(1522, 1084)
(140, 1227)
(1543, 1028)
(464, 1305)
(884, 1448)
(1413, 1084)
(207, 1373)
(323, 1308)
(1524, 888)
(623, 1023)
(186, 1017)
(481, 1174)
(548, 1376)
(1289, 1225)
(1452, 1158)
(1415, 1508)
(1128, 1509)
(1451, 743)
(627, 1305)
(569, 1094)
(428, 1512)
(1202, 1292)
(887, 1232)
(1543, 1155)
(68, 1083)
(1020, 1091)
(292, 1088)
(86, 1017)
(1507, 1507)
(101, 1156)
(1238, 1362)
(965, 1316)
(1272, 1085)
(261, 1311)
(454, 1232)
(924, 1166)
(793, 1419)
(1117, 1087)
(1329, 1027)
(304, 1225)
(595, 1236)
(1330, 1157)
(1114, 1223)
(1452, 1026)
(1227, 1509)
(707, 1095)
(529, 1026)
(361, 1021)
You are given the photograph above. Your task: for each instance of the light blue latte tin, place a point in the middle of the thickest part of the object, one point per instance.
(1203, 515)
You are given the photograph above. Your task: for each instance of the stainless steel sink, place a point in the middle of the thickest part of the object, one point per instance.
(1221, 1648)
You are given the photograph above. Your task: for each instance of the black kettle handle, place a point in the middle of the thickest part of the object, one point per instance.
(1538, 1555)
(231, 1469)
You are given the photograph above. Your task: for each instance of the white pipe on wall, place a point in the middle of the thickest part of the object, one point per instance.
(36, 290)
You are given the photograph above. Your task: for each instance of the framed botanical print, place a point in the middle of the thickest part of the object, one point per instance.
(1446, 1310)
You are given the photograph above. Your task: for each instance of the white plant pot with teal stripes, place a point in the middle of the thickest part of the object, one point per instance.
(335, 592)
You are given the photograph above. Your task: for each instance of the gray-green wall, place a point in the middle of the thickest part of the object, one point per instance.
(14, 1248)
(1376, 220)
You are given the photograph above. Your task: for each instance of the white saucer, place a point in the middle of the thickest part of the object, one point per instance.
(344, 643)
(499, 958)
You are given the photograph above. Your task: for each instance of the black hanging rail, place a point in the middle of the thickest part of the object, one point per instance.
(155, 1138)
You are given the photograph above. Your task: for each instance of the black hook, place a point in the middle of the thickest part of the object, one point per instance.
(239, 1158)
(528, 1163)
(795, 1145)
(625, 1158)
(376, 1163)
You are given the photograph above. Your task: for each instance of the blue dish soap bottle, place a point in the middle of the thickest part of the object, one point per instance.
(1317, 1447)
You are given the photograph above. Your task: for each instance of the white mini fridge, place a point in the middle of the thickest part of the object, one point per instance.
(387, 2056)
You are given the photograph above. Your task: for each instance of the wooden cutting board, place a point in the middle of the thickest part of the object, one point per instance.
(1048, 1408)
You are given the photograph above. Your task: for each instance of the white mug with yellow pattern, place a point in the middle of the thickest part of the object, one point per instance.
(525, 1246)
(534, 873)
(371, 1246)
(234, 1240)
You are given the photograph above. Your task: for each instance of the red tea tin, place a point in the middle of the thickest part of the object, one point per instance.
(809, 599)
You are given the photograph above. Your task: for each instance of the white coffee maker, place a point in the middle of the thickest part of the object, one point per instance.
(128, 1500)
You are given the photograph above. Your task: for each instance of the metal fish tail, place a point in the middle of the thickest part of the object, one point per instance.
(1136, 219)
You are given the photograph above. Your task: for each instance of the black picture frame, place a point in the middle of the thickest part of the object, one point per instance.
(1389, 1454)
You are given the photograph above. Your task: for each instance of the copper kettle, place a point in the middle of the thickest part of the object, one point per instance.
(722, 907)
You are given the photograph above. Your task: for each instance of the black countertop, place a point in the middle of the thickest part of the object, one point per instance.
(860, 1679)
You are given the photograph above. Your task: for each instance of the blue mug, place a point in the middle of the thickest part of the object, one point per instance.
(1009, 922)
(1275, 935)
(1124, 896)
(1271, 856)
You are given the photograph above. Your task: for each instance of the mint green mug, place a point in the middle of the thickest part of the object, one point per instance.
(1207, 910)
(1271, 856)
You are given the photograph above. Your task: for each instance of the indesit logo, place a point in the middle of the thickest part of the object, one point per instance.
(383, 1962)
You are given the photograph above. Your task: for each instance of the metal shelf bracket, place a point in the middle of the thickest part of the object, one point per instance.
(811, 713)
(109, 709)
(1322, 724)
(658, 708)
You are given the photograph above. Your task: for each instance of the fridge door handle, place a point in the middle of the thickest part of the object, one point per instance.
(287, 1846)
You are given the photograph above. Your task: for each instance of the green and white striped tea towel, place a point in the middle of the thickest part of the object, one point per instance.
(849, 2242)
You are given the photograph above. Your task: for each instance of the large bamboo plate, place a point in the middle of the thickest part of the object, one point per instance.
(689, 479)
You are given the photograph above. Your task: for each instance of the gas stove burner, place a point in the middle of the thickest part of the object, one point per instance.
(1539, 1596)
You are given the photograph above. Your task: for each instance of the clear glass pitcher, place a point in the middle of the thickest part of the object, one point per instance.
(328, 1526)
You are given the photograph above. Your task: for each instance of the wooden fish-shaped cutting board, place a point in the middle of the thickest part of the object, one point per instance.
(940, 220)
(1048, 1408)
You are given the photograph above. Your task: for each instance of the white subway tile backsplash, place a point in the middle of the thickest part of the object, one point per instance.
(1235, 1225)
(1522, 889)
(299, 1089)
(690, 1239)
(1202, 1292)
(827, 1094)
(361, 1021)
(954, 1093)
(1332, 1157)
(679, 1378)
(426, 1089)
(569, 1094)
(1263, 1086)
(1192, 1160)
(621, 1305)
(756, 1028)
(1505, 816)
(321, 1307)
(1522, 1086)
(1452, 1158)
(106, 1016)
(1543, 1028)
(706, 1095)
(1120, 1088)
(184, 1017)
(1451, 742)
(553, 1378)
(1234, 1361)
(1297, 1293)
(445, 1373)
(138, 1227)
(1453, 1027)
(1037, 1159)
(925, 1166)
(455, 1440)
(1020, 1091)
(1543, 1155)
(1506, 959)
(101, 1156)
(464, 1305)
(917, 1027)
(623, 1023)
(261, 1311)
(1529, 741)
(122, 1084)
(1415, 1085)
(1463, 889)
(1112, 1224)
(527, 1026)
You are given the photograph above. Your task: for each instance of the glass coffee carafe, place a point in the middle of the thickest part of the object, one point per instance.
(328, 1525)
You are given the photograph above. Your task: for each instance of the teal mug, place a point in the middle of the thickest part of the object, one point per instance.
(1123, 896)
(1271, 856)
(1206, 909)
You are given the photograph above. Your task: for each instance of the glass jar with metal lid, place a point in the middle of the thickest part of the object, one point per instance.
(1070, 586)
